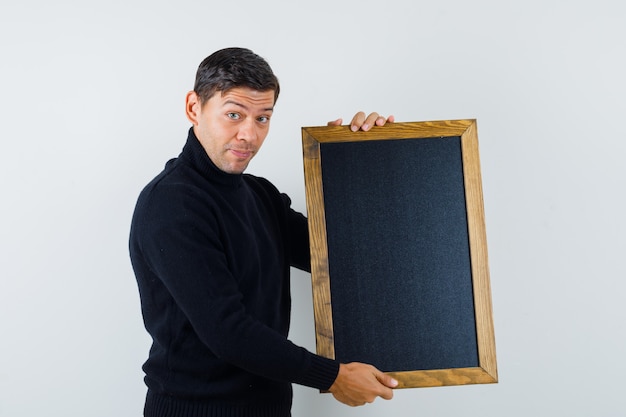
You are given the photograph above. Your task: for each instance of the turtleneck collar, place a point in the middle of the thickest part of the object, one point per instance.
(194, 152)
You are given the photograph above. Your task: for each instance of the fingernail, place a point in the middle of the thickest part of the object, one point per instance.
(365, 126)
(354, 128)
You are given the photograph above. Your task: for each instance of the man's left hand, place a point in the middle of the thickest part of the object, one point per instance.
(360, 121)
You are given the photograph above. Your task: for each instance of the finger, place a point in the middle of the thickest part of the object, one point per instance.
(357, 121)
(371, 120)
(336, 122)
(387, 383)
(381, 121)
(386, 380)
(387, 394)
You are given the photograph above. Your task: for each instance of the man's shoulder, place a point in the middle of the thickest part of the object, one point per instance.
(174, 183)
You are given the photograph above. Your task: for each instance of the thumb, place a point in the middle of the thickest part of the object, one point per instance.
(387, 380)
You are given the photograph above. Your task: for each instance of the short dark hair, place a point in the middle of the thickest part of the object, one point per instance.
(229, 68)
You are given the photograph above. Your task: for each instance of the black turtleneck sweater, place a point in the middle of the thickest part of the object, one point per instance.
(212, 253)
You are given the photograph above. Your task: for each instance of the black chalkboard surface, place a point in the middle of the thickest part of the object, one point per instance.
(398, 250)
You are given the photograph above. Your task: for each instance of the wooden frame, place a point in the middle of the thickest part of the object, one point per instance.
(314, 138)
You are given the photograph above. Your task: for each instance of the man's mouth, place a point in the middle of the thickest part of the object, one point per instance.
(241, 153)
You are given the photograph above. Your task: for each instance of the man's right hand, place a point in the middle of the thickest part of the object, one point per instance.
(359, 383)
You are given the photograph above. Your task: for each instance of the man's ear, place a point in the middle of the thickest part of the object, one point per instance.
(192, 107)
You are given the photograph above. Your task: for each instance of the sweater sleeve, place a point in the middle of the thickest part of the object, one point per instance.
(183, 251)
(298, 235)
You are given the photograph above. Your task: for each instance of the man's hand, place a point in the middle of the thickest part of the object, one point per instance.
(359, 121)
(358, 383)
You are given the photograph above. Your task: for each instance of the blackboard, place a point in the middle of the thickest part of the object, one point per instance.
(398, 248)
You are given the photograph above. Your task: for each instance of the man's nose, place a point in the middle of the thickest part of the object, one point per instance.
(247, 131)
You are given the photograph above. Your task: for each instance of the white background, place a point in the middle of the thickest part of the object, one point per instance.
(91, 107)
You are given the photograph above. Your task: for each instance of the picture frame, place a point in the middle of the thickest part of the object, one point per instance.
(399, 264)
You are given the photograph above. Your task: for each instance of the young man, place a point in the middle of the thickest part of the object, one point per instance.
(212, 247)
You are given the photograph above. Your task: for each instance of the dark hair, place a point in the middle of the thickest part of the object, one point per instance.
(228, 68)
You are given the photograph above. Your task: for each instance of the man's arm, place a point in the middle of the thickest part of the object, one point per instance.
(185, 277)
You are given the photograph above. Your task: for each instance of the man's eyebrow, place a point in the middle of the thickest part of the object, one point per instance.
(243, 106)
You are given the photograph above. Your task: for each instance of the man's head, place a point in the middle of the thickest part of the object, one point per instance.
(231, 105)
(234, 67)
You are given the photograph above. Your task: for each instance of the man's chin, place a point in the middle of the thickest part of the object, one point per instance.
(235, 169)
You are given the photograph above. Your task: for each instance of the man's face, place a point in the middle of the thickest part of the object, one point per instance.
(232, 126)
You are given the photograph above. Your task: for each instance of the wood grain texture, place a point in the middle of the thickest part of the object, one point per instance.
(442, 377)
(411, 130)
(478, 251)
(320, 275)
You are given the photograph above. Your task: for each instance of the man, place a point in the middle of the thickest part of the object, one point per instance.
(212, 247)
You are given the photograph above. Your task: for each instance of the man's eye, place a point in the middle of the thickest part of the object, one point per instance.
(263, 119)
(234, 116)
